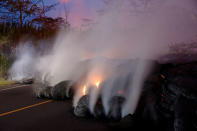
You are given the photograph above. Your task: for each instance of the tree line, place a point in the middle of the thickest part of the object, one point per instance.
(22, 17)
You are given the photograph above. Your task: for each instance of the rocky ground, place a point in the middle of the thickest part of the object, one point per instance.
(168, 101)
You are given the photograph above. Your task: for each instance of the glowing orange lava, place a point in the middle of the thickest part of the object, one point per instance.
(84, 90)
(97, 84)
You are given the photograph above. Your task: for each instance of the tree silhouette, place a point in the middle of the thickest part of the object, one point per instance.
(23, 11)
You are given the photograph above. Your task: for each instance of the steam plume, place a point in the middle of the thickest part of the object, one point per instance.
(128, 30)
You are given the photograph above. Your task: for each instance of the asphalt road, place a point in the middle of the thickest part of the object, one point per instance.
(21, 111)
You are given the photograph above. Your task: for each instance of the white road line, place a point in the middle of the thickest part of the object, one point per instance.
(12, 88)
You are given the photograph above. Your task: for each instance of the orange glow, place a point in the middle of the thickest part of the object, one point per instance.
(84, 90)
(97, 84)
(162, 76)
(95, 79)
(120, 92)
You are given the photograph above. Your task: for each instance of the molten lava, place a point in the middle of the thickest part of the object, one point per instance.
(84, 90)
(97, 84)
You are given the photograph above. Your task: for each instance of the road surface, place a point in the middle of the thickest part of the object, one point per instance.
(21, 111)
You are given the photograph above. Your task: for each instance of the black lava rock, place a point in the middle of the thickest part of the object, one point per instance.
(82, 108)
(99, 110)
(42, 90)
(62, 90)
(27, 81)
(116, 104)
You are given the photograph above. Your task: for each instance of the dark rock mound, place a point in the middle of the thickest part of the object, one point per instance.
(42, 90)
(62, 90)
(46, 92)
(82, 108)
(27, 81)
(99, 110)
(179, 96)
(184, 114)
(116, 104)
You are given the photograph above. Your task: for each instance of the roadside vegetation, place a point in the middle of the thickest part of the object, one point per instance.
(4, 65)
(4, 82)
(21, 19)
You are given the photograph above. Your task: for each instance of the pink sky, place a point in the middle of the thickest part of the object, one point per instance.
(78, 10)
(64, 1)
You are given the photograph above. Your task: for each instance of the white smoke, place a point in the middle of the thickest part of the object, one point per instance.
(59, 64)
(24, 66)
(128, 29)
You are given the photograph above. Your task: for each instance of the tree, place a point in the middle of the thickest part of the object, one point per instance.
(48, 23)
(22, 11)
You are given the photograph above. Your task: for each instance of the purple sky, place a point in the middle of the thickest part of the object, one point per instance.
(78, 10)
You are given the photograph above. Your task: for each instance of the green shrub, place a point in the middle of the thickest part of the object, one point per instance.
(4, 65)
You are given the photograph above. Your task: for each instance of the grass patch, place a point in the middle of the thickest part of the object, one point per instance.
(5, 82)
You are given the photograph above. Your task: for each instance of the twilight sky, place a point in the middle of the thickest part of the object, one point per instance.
(87, 9)
(78, 10)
